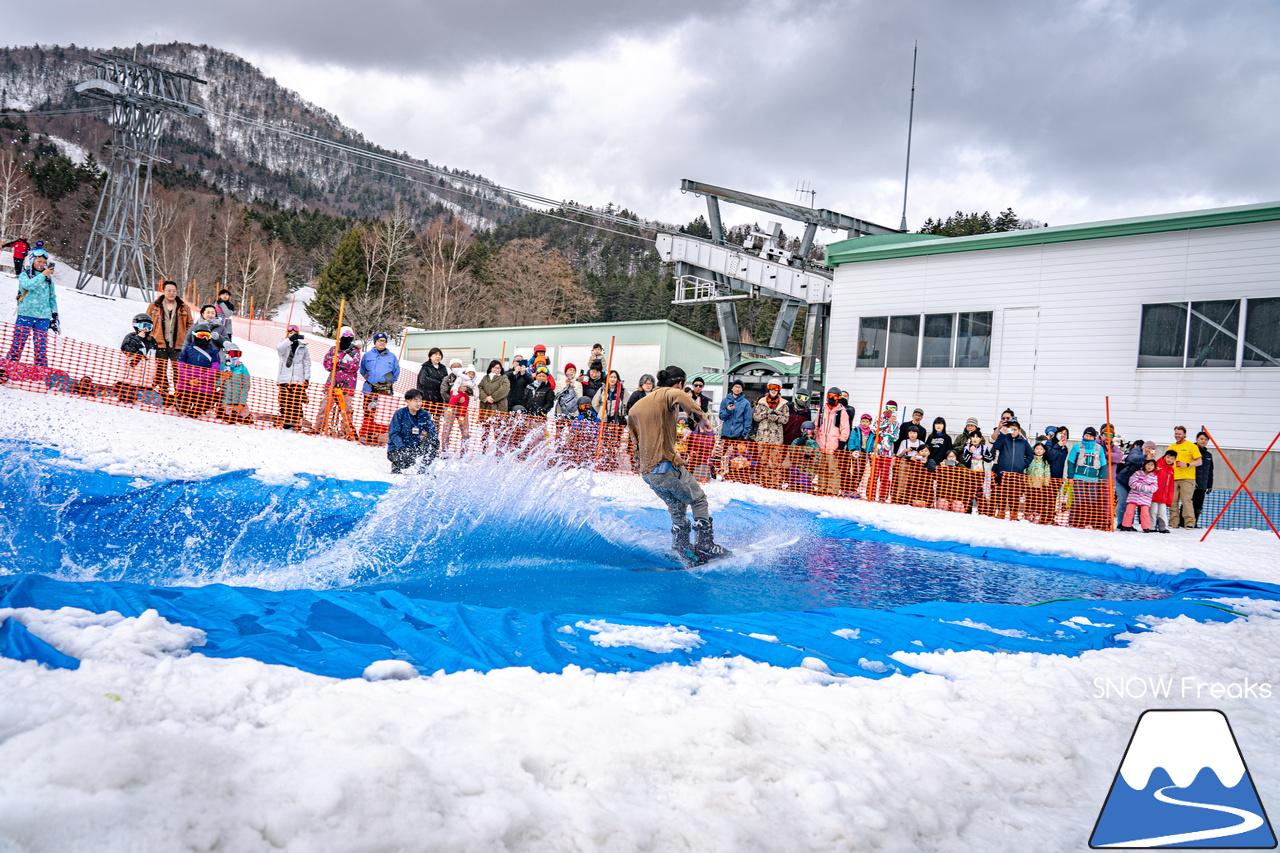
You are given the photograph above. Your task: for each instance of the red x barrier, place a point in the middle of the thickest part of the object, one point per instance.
(1243, 485)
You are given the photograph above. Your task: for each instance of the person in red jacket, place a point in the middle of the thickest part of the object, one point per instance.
(20, 248)
(1164, 491)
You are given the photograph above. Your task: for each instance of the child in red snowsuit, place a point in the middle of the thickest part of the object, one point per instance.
(1163, 498)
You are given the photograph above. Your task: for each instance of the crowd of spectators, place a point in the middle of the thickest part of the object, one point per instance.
(191, 359)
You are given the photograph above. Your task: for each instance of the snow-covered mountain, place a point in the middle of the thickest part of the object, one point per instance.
(252, 163)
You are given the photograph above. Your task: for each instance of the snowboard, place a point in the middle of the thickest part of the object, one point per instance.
(692, 559)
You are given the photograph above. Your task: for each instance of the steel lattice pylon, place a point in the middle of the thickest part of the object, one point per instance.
(141, 97)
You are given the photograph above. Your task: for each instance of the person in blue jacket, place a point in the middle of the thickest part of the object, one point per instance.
(1013, 454)
(1087, 469)
(412, 440)
(736, 420)
(37, 311)
(380, 369)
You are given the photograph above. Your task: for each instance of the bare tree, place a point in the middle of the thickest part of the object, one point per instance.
(538, 287)
(15, 191)
(386, 251)
(441, 292)
(273, 269)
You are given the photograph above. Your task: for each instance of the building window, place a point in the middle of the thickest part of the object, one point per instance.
(973, 339)
(871, 341)
(1162, 340)
(1208, 334)
(938, 334)
(926, 340)
(1262, 333)
(904, 340)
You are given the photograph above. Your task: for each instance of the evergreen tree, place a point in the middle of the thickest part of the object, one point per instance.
(343, 277)
(961, 224)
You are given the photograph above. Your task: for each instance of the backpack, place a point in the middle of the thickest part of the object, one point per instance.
(567, 401)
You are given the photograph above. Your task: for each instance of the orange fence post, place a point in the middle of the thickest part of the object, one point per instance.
(1111, 492)
(1243, 484)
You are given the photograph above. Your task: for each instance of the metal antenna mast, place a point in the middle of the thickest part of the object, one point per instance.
(910, 119)
(141, 97)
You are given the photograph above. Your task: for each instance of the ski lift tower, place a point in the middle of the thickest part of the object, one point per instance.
(141, 98)
(709, 271)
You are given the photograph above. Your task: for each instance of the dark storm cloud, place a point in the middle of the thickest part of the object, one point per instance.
(399, 35)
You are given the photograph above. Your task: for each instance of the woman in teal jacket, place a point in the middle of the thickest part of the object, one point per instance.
(37, 312)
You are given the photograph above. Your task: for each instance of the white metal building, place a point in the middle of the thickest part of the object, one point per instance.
(1176, 318)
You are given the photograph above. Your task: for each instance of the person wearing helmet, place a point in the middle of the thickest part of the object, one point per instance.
(771, 414)
(234, 382)
(539, 397)
(20, 248)
(138, 347)
(802, 456)
(37, 312)
(198, 373)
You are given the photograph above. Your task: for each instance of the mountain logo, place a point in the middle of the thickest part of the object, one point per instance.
(1183, 783)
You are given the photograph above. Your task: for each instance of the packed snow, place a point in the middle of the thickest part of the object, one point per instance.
(151, 745)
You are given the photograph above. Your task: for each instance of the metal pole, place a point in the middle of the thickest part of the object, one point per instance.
(911, 114)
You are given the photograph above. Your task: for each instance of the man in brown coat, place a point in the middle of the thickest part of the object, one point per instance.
(170, 320)
(652, 425)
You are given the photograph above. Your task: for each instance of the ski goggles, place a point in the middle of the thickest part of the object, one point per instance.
(146, 327)
(203, 335)
(235, 353)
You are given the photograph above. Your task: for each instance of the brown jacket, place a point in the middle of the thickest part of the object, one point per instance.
(652, 424)
(497, 387)
(156, 313)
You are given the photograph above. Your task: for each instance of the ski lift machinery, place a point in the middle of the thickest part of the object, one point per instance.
(711, 271)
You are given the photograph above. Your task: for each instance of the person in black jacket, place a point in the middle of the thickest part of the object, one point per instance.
(431, 375)
(1013, 456)
(1058, 446)
(938, 442)
(1204, 474)
(520, 380)
(647, 383)
(538, 397)
(695, 391)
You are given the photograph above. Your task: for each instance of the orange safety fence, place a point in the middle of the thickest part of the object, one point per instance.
(110, 376)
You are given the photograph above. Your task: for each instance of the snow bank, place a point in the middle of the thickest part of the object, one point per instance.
(999, 752)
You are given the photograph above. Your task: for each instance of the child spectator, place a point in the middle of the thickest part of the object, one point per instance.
(1143, 484)
(1163, 498)
(1041, 491)
(975, 457)
(802, 456)
(139, 347)
(951, 483)
(197, 374)
(234, 381)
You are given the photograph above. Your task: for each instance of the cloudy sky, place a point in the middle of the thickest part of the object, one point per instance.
(1065, 111)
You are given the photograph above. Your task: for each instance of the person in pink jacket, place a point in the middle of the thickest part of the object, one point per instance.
(1142, 488)
(343, 362)
(831, 431)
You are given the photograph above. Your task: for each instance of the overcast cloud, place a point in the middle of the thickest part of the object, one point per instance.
(1067, 112)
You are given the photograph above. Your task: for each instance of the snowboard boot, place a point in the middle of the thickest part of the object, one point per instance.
(680, 538)
(705, 547)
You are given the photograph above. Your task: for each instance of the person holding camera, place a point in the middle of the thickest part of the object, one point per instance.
(37, 311)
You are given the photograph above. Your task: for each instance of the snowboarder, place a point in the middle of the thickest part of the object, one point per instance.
(652, 425)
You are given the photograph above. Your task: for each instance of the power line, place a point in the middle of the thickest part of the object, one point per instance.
(488, 189)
